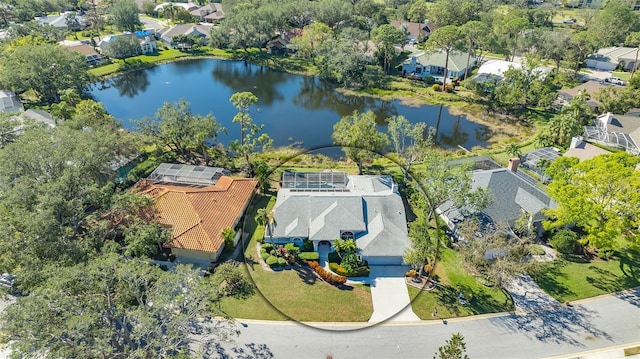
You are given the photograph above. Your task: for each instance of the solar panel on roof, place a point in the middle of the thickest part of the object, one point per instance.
(315, 181)
(180, 173)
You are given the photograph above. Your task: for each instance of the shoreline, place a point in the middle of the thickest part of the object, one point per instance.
(502, 128)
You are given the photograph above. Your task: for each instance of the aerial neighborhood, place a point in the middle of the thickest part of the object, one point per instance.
(217, 179)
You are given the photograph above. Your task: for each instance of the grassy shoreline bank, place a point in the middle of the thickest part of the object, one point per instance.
(502, 129)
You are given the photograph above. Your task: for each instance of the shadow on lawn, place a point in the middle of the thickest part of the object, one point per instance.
(547, 279)
(561, 325)
(478, 302)
(306, 274)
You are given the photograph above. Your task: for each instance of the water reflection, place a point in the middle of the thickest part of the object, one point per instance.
(293, 108)
(315, 94)
(131, 83)
(240, 76)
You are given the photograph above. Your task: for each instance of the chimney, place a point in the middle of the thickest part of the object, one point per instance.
(513, 164)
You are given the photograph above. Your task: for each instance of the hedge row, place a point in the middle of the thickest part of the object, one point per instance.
(309, 256)
(358, 272)
(327, 276)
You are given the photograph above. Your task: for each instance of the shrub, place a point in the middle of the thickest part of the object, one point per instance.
(267, 247)
(336, 268)
(357, 272)
(338, 279)
(427, 268)
(429, 80)
(309, 256)
(260, 240)
(264, 256)
(436, 87)
(411, 273)
(330, 278)
(307, 246)
(282, 261)
(565, 241)
(334, 257)
(291, 246)
(272, 261)
(313, 264)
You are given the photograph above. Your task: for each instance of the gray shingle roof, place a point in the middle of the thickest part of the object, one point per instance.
(512, 194)
(370, 207)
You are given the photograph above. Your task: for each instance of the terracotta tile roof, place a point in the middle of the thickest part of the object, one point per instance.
(197, 215)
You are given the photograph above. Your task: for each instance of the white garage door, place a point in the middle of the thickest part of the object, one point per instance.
(384, 260)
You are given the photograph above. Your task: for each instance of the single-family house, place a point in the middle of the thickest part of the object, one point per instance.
(189, 6)
(93, 57)
(622, 131)
(60, 21)
(210, 13)
(423, 64)
(514, 194)
(196, 30)
(584, 4)
(38, 116)
(416, 31)
(282, 43)
(197, 203)
(584, 150)
(324, 206)
(493, 70)
(586, 89)
(609, 58)
(147, 41)
(10, 102)
(30, 115)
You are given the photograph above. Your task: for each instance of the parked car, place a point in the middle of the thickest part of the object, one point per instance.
(6, 280)
(569, 21)
(615, 81)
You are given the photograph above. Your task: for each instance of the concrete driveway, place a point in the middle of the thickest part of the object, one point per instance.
(390, 296)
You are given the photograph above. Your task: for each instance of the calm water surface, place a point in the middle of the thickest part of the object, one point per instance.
(295, 109)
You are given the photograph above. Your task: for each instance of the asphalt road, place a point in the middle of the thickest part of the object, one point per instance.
(592, 324)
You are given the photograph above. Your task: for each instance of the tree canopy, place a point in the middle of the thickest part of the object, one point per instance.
(190, 136)
(117, 308)
(124, 15)
(47, 69)
(359, 137)
(600, 196)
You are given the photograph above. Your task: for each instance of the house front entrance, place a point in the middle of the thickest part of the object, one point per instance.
(324, 248)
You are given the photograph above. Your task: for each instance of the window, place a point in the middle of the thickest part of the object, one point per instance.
(347, 235)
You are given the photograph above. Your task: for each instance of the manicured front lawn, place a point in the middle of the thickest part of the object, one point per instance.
(623, 75)
(568, 280)
(301, 296)
(296, 292)
(452, 277)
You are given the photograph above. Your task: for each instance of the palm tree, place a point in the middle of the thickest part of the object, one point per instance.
(266, 218)
(513, 150)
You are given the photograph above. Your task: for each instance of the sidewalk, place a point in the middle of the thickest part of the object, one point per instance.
(606, 353)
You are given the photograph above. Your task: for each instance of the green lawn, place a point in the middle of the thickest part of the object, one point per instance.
(296, 293)
(452, 277)
(622, 75)
(568, 280)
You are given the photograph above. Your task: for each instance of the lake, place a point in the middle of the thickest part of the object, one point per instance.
(295, 110)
